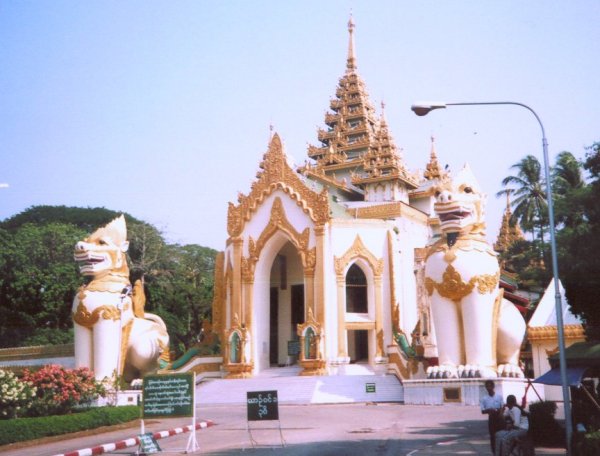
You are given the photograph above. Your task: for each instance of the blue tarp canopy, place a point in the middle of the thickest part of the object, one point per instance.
(552, 377)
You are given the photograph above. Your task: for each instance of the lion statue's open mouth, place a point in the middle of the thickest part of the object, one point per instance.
(89, 263)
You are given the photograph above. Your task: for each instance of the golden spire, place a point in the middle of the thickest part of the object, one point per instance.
(509, 230)
(432, 170)
(351, 61)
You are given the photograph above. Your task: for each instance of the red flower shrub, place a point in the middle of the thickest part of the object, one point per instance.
(60, 390)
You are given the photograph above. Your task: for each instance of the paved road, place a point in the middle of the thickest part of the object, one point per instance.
(348, 429)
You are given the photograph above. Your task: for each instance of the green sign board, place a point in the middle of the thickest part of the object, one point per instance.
(370, 387)
(262, 405)
(168, 395)
(148, 443)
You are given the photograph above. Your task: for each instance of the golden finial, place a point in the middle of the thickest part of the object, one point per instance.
(351, 62)
(432, 170)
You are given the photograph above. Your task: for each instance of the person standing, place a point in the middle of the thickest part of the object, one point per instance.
(491, 405)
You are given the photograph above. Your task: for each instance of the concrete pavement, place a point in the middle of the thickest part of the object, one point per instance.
(340, 429)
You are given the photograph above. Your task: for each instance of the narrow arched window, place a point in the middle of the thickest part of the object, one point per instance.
(356, 290)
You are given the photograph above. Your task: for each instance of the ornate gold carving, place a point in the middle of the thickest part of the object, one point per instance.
(125, 332)
(465, 243)
(276, 175)
(358, 250)
(453, 287)
(388, 211)
(538, 333)
(279, 222)
(393, 303)
(88, 319)
(138, 299)
(219, 293)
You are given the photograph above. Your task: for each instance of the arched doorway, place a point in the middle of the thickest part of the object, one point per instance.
(286, 303)
(278, 301)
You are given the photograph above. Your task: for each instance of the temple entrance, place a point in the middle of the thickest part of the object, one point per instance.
(286, 303)
(358, 346)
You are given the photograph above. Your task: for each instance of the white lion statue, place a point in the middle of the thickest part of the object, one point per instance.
(113, 334)
(479, 334)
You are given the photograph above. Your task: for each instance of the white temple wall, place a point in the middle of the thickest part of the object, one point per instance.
(373, 234)
(410, 235)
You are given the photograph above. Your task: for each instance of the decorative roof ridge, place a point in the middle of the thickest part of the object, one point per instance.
(276, 173)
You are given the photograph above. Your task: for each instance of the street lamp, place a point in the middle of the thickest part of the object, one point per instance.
(424, 108)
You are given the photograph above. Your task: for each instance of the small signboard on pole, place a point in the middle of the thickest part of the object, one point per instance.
(148, 444)
(169, 396)
(263, 406)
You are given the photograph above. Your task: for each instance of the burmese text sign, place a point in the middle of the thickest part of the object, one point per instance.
(262, 405)
(168, 395)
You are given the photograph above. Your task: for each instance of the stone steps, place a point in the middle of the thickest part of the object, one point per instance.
(293, 389)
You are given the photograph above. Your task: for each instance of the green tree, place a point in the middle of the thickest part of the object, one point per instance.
(579, 247)
(39, 281)
(568, 185)
(182, 289)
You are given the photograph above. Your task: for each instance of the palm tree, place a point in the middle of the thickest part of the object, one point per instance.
(567, 185)
(567, 174)
(529, 193)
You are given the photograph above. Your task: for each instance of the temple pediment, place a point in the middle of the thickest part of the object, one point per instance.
(276, 174)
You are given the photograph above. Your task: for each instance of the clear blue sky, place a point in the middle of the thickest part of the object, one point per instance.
(162, 109)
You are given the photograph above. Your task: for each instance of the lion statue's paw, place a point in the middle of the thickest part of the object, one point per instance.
(443, 371)
(510, 371)
(476, 371)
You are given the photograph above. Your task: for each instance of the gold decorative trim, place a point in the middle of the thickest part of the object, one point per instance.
(465, 243)
(276, 174)
(125, 332)
(279, 222)
(85, 318)
(359, 325)
(219, 293)
(357, 250)
(394, 305)
(453, 287)
(388, 211)
(538, 333)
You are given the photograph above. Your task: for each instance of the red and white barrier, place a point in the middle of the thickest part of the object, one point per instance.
(107, 447)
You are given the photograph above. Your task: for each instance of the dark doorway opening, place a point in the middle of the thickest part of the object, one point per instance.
(274, 326)
(358, 346)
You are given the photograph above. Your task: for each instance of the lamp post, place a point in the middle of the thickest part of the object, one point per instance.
(422, 109)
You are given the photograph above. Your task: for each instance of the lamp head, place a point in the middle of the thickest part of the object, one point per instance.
(423, 108)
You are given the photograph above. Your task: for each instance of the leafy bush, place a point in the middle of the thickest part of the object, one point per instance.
(543, 427)
(61, 390)
(16, 396)
(22, 429)
(589, 445)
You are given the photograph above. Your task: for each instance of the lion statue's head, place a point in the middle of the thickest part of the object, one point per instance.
(104, 250)
(459, 204)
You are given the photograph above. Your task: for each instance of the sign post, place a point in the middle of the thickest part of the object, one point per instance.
(263, 406)
(169, 396)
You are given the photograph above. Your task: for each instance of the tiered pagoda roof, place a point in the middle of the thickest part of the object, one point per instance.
(383, 162)
(356, 147)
